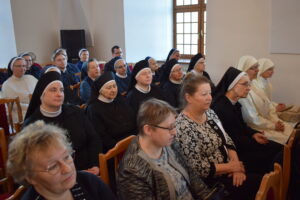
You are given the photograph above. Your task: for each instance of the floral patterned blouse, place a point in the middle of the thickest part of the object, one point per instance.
(203, 145)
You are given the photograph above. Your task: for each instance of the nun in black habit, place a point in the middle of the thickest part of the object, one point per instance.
(154, 68)
(109, 112)
(253, 148)
(140, 88)
(173, 54)
(197, 65)
(47, 105)
(171, 80)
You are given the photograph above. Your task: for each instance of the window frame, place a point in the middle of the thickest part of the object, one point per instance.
(200, 8)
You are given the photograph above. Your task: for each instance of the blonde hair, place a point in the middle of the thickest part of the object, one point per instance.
(36, 136)
(153, 112)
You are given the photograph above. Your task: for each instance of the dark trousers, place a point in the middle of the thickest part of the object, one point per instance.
(246, 191)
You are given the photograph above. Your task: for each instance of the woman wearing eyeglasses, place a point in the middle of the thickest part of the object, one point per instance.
(150, 169)
(121, 76)
(19, 84)
(40, 157)
(206, 146)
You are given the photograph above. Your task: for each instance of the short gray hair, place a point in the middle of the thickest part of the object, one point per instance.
(36, 136)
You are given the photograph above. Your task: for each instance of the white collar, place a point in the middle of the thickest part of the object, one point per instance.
(195, 72)
(142, 90)
(175, 82)
(50, 114)
(121, 76)
(104, 99)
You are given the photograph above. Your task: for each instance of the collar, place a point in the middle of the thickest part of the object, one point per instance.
(175, 82)
(142, 90)
(104, 99)
(121, 76)
(195, 72)
(50, 114)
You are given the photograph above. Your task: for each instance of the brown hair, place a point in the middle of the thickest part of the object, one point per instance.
(190, 84)
(88, 63)
(153, 112)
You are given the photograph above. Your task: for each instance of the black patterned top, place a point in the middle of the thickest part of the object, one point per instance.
(203, 145)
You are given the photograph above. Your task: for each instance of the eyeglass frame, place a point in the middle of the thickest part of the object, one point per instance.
(165, 128)
(72, 154)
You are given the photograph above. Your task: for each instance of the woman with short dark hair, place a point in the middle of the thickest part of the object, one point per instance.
(150, 169)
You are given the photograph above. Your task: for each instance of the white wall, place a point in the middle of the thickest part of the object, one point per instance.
(36, 27)
(108, 24)
(148, 29)
(236, 28)
(7, 35)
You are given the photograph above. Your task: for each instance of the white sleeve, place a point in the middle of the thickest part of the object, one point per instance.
(252, 117)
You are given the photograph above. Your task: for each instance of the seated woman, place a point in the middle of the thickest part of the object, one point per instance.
(150, 169)
(197, 65)
(252, 146)
(140, 88)
(258, 111)
(47, 104)
(19, 84)
(93, 72)
(30, 67)
(171, 79)
(173, 54)
(206, 147)
(122, 78)
(59, 59)
(110, 114)
(40, 157)
(289, 113)
(154, 68)
(83, 55)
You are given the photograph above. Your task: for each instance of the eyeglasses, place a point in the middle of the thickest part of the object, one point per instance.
(121, 66)
(53, 169)
(246, 84)
(172, 127)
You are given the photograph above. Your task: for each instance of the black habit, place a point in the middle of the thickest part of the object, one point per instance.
(256, 157)
(85, 141)
(113, 121)
(136, 98)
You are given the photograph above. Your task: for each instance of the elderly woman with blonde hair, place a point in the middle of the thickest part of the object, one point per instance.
(290, 113)
(257, 109)
(40, 157)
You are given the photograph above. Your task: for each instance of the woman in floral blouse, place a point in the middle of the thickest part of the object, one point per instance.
(206, 146)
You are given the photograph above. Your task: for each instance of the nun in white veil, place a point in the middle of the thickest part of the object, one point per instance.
(290, 113)
(258, 112)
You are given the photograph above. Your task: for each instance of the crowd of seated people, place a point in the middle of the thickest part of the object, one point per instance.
(194, 140)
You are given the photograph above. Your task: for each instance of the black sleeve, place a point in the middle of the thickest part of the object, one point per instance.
(94, 142)
(108, 141)
(241, 140)
(94, 187)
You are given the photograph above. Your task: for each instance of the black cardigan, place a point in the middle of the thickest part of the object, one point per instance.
(91, 185)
